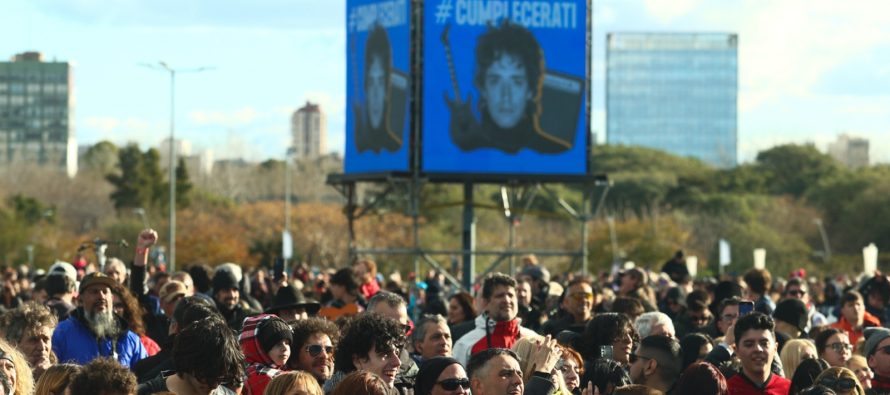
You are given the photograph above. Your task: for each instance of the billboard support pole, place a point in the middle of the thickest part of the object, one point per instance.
(468, 239)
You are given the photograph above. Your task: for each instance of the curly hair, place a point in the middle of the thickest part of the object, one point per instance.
(133, 312)
(55, 379)
(208, 350)
(21, 321)
(103, 376)
(603, 330)
(363, 332)
(24, 382)
(303, 329)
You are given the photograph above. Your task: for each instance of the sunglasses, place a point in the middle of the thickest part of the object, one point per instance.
(842, 384)
(452, 384)
(316, 349)
(582, 296)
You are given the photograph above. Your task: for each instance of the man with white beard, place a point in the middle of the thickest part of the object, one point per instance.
(93, 330)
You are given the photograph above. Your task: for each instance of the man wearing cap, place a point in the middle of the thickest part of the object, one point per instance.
(60, 289)
(291, 305)
(93, 330)
(227, 296)
(877, 352)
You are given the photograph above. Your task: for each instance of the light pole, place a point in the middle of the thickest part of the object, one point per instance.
(286, 238)
(162, 66)
(826, 256)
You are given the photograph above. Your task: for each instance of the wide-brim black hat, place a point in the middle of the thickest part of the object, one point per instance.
(289, 298)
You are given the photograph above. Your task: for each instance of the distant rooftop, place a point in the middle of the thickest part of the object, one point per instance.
(671, 41)
(310, 107)
(30, 56)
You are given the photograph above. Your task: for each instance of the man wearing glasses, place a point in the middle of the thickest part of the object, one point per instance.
(577, 303)
(656, 363)
(877, 351)
(441, 376)
(727, 314)
(797, 288)
(313, 347)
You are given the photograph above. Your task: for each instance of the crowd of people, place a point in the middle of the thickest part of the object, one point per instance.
(130, 328)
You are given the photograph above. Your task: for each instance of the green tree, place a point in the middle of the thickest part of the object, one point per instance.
(30, 210)
(183, 185)
(139, 182)
(791, 169)
(101, 158)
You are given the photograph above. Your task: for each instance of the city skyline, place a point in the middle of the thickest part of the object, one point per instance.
(804, 74)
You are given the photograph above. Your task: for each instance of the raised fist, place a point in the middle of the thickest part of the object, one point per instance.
(146, 239)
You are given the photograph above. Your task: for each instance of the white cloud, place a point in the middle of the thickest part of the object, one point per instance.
(668, 10)
(241, 116)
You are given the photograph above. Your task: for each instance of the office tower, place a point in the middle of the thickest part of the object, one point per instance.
(37, 113)
(850, 151)
(676, 92)
(309, 129)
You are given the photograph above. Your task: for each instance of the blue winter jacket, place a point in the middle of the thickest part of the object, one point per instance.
(74, 342)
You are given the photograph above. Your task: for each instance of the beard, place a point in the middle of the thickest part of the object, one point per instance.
(102, 324)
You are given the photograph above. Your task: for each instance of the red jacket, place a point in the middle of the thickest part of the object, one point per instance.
(260, 368)
(868, 320)
(742, 385)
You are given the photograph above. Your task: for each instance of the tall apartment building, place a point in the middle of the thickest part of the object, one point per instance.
(308, 130)
(850, 151)
(676, 92)
(37, 113)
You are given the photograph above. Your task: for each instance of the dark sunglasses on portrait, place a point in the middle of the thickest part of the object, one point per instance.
(316, 349)
(452, 384)
(842, 384)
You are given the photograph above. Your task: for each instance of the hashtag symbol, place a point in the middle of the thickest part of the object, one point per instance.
(443, 11)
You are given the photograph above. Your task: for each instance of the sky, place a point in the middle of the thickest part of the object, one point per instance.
(809, 70)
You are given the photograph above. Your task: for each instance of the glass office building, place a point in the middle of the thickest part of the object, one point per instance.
(675, 92)
(36, 113)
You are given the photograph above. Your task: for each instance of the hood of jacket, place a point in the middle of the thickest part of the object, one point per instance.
(250, 342)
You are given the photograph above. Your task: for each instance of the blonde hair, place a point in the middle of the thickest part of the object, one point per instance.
(24, 381)
(294, 382)
(56, 378)
(837, 372)
(792, 354)
(525, 349)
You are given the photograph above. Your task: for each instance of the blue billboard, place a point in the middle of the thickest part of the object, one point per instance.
(378, 46)
(505, 86)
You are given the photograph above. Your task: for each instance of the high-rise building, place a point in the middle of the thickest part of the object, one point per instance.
(676, 92)
(37, 113)
(309, 129)
(850, 151)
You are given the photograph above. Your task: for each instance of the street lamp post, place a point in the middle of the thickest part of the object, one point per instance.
(163, 66)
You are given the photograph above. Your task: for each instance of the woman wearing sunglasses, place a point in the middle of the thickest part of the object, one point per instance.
(441, 376)
(841, 380)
